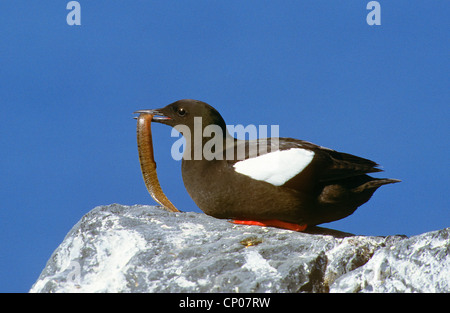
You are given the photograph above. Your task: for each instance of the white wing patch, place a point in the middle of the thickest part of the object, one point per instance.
(276, 167)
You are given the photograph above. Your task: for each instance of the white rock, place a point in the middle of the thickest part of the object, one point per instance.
(146, 249)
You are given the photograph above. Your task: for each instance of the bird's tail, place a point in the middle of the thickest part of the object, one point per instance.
(376, 183)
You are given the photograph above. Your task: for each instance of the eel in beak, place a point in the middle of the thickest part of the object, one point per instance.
(147, 160)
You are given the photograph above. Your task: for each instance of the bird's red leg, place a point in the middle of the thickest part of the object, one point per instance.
(272, 223)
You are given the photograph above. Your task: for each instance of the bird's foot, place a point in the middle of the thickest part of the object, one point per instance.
(272, 223)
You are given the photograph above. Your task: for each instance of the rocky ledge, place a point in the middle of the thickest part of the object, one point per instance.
(142, 248)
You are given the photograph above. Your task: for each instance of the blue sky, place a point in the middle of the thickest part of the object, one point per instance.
(316, 68)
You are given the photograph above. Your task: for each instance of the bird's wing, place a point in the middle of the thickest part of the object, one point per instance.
(328, 164)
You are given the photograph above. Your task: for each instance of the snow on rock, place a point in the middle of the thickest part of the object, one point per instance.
(141, 248)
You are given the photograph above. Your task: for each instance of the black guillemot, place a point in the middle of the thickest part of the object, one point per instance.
(280, 182)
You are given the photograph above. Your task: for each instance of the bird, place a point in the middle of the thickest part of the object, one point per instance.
(279, 182)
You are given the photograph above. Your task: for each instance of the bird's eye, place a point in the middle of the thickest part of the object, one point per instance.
(181, 112)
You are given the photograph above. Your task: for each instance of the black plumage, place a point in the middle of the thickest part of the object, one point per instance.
(331, 186)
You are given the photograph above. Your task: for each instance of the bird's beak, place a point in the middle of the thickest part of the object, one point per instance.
(157, 115)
